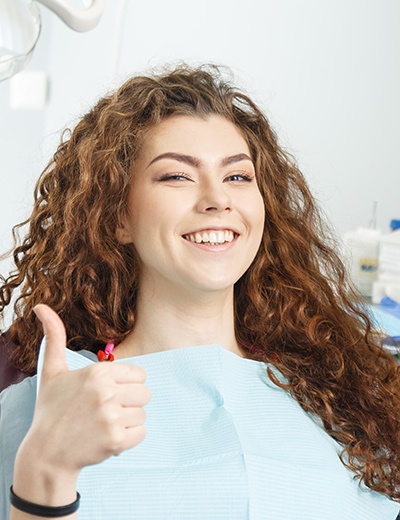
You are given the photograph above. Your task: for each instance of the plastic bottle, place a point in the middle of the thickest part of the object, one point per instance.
(363, 246)
(388, 279)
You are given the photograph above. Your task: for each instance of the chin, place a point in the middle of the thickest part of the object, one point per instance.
(215, 285)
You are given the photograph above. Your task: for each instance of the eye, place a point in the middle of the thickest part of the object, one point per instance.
(239, 177)
(174, 177)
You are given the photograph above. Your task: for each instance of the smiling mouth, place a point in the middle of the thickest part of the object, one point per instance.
(216, 237)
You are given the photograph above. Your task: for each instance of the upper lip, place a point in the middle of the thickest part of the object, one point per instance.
(212, 228)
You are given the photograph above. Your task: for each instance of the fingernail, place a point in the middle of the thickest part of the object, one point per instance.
(36, 313)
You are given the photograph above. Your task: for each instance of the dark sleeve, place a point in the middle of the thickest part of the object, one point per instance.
(8, 374)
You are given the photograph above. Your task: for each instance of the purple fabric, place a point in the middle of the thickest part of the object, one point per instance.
(8, 374)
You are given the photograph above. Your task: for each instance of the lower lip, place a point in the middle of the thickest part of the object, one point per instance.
(212, 249)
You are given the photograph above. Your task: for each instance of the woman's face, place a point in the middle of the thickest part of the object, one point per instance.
(196, 215)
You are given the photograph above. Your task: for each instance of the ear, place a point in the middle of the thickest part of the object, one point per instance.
(124, 235)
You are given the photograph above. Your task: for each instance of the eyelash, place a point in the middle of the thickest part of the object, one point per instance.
(244, 177)
(173, 177)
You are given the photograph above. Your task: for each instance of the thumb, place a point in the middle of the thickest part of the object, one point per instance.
(54, 360)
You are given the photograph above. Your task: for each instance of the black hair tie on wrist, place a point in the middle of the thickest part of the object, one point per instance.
(44, 511)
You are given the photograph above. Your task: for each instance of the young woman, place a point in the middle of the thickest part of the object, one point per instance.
(171, 233)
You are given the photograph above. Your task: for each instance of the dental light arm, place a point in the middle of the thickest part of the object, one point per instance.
(80, 20)
(20, 25)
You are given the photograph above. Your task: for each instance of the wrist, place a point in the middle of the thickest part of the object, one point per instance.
(39, 481)
(37, 510)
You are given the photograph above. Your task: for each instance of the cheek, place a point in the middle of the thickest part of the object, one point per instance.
(142, 211)
(149, 224)
(258, 213)
(258, 226)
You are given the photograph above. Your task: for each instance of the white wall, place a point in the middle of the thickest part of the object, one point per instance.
(326, 72)
(21, 150)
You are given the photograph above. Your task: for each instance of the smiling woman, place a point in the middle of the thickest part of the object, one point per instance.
(187, 203)
(171, 230)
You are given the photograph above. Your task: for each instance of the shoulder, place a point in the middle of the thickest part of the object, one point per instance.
(17, 404)
(8, 374)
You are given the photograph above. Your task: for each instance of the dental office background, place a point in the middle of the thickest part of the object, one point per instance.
(326, 72)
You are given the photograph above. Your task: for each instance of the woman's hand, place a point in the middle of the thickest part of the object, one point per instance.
(81, 417)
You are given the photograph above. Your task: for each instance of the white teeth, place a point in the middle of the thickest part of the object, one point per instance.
(211, 237)
(228, 236)
(221, 237)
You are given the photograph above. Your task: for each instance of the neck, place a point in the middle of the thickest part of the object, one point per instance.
(166, 322)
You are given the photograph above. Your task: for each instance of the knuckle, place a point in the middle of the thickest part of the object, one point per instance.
(107, 419)
(138, 435)
(147, 394)
(97, 384)
(106, 394)
(101, 395)
(116, 441)
(111, 417)
(139, 373)
(122, 440)
(141, 416)
(94, 374)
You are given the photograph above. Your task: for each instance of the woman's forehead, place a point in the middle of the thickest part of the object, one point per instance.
(194, 134)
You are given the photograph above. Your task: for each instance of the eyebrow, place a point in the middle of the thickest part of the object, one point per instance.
(194, 161)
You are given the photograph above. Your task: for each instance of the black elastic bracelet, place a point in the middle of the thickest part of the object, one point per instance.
(44, 511)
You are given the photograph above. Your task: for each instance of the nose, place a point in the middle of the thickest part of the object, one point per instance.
(214, 197)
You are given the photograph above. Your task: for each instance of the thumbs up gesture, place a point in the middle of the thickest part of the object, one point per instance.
(84, 416)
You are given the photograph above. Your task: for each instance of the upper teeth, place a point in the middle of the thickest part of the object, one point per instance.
(213, 237)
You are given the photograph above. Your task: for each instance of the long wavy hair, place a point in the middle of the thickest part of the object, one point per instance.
(293, 307)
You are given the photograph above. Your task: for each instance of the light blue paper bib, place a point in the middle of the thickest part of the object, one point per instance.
(224, 443)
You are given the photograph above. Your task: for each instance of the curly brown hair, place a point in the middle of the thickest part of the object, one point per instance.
(294, 303)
